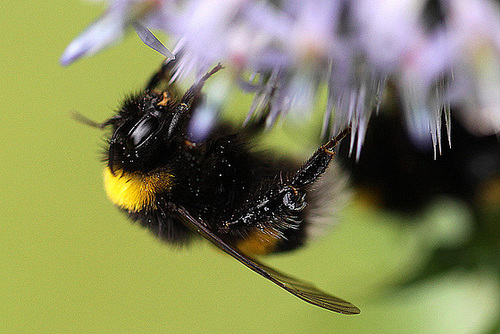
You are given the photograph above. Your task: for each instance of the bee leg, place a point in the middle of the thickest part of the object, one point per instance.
(318, 163)
(163, 74)
(195, 90)
(276, 210)
(279, 205)
(189, 101)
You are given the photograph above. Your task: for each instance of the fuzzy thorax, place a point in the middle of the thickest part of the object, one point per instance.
(136, 191)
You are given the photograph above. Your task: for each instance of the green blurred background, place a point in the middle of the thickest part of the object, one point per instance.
(70, 262)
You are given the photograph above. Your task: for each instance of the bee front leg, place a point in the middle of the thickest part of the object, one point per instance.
(164, 74)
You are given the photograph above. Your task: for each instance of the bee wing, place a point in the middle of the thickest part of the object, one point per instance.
(304, 290)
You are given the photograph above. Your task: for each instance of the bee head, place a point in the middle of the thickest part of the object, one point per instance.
(143, 133)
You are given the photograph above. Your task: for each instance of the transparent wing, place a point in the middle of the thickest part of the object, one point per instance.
(301, 289)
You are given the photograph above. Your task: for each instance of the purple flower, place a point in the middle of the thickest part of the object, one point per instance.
(438, 54)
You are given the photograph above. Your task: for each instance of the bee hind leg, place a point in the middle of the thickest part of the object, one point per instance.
(316, 165)
(278, 206)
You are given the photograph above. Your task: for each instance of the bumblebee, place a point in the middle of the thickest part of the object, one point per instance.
(243, 202)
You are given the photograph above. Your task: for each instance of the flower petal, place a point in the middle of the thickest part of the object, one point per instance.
(150, 40)
(108, 29)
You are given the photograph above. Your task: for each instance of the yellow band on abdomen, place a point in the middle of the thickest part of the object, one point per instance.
(135, 191)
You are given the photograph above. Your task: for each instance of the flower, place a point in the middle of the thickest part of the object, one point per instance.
(437, 54)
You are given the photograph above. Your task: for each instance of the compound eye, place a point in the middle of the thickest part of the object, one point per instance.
(142, 131)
